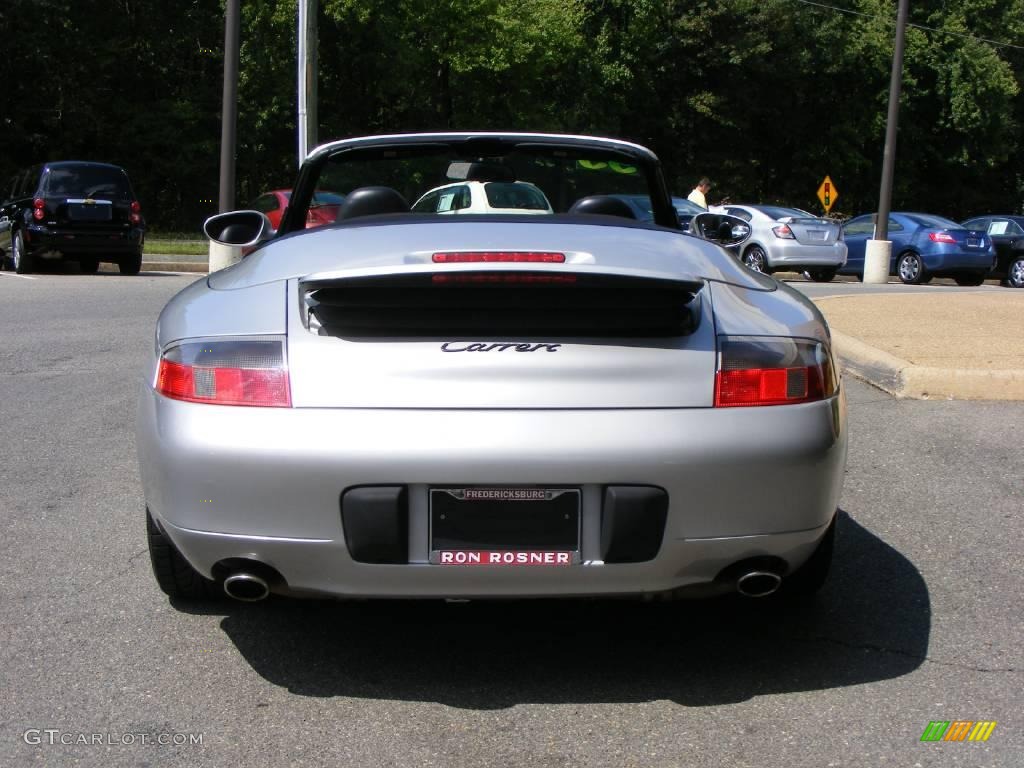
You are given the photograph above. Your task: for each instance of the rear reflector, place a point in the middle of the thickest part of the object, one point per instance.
(755, 370)
(941, 237)
(518, 257)
(228, 372)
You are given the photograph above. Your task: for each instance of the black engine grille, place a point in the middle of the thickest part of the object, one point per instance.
(504, 304)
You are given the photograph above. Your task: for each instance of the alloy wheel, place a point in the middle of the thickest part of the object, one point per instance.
(754, 258)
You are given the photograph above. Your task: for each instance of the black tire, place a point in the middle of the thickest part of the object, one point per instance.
(173, 573)
(21, 261)
(755, 258)
(910, 268)
(970, 278)
(89, 266)
(1015, 272)
(130, 265)
(820, 275)
(811, 576)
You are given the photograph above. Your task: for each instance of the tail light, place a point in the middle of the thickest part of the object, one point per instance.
(39, 209)
(941, 237)
(756, 370)
(784, 232)
(244, 371)
(136, 212)
(493, 278)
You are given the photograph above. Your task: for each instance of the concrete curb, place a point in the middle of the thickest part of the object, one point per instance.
(175, 266)
(906, 380)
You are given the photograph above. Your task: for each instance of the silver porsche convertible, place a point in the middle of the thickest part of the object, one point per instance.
(407, 404)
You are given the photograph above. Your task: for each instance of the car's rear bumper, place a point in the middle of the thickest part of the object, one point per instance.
(265, 485)
(950, 258)
(790, 253)
(76, 242)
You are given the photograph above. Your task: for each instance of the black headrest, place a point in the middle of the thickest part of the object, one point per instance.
(369, 201)
(606, 205)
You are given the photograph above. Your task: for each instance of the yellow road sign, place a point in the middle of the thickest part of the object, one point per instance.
(828, 194)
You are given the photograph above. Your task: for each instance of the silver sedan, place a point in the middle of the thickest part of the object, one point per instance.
(792, 240)
(417, 405)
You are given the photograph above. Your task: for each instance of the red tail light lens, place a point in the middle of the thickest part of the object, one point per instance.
(784, 232)
(226, 372)
(136, 212)
(754, 370)
(39, 209)
(941, 237)
(520, 257)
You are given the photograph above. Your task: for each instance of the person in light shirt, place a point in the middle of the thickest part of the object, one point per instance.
(698, 195)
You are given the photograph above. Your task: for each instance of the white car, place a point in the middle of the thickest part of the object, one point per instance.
(789, 239)
(484, 197)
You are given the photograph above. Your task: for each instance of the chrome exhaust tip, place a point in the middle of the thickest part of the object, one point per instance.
(246, 587)
(758, 583)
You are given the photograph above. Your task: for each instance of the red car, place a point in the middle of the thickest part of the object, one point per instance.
(322, 210)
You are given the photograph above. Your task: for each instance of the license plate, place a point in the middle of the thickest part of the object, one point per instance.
(504, 526)
(89, 212)
(817, 234)
(973, 242)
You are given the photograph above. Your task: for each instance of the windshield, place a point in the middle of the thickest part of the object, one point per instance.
(777, 212)
(95, 181)
(935, 221)
(559, 178)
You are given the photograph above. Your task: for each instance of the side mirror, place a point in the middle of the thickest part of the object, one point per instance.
(239, 228)
(728, 231)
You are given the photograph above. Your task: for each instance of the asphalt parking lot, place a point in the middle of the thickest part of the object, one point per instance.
(921, 620)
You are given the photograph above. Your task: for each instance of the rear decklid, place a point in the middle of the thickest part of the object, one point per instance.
(501, 337)
(813, 230)
(625, 321)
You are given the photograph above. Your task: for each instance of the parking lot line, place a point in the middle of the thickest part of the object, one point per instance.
(12, 274)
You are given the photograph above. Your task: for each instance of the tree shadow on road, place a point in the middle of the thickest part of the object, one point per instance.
(871, 622)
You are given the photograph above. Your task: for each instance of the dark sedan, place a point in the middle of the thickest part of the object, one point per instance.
(923, 246)
(1007, 234)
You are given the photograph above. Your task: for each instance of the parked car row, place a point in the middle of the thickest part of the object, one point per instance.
(924, 246)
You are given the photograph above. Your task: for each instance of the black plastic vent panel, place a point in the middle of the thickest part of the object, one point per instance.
(505, 304)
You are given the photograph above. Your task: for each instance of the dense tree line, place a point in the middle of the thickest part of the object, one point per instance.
(763, 96)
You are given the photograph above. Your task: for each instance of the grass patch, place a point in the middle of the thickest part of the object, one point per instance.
(175, 246)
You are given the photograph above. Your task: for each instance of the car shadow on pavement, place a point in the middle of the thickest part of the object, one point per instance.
(871, 622)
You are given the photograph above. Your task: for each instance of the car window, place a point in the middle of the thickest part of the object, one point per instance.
(895, 226)
(859, 226)
(453, 199)
(1004, 227)
(778, 212)
(938, 222)
(739, 213)
(265, 204)
(88, 181)
(502, 194)
(427, 203)
(326, 198)
(981, 224)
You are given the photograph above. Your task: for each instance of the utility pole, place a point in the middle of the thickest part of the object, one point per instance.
(879, 248)
(229, 106)
(307, 66)
(225, 255)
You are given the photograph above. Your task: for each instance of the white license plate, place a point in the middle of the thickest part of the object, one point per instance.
(817, 234)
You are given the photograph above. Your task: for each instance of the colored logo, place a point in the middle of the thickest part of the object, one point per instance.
(958, 730)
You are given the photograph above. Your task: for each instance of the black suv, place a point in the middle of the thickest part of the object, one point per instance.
(73, 210)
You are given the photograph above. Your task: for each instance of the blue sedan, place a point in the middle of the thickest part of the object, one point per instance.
(923, 246)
